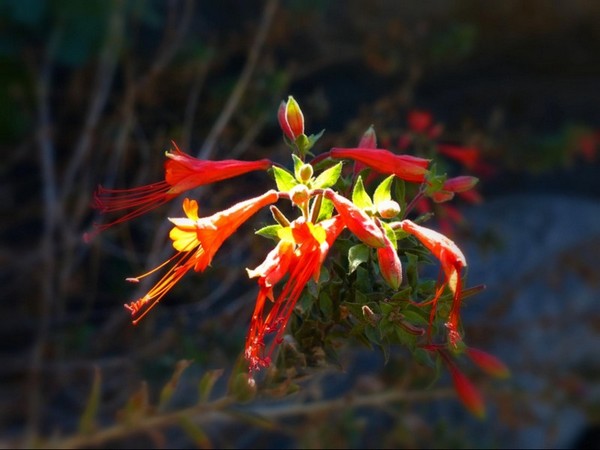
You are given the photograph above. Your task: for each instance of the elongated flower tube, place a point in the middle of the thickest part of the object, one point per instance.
(406, 167)
(357, 221)
(182, 173)
(197, 240)
(452, 261)
(303, 253)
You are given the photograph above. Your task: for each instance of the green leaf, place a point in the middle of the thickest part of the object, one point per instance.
(285, 180)
(87, 422)
(360, 197)
(328, 177)
(383, 192)
(326, 210)
(297, 165)
(169, 388)
(357, 255)
(270, 231)
(312, 140)
(207, 383)
(390, 233)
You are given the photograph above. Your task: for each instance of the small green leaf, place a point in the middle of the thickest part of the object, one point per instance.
(360, 197)
(297, 165)
(207, 382)
(383, 192)
(312, 140)
(285, 180)
(169, 388)
(326, 210)
(357, 255)
(270, 231)
(328, 177)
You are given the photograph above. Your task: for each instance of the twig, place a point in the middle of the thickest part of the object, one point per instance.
(242, 83)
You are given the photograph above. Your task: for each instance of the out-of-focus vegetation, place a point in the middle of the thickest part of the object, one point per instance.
(93, 91)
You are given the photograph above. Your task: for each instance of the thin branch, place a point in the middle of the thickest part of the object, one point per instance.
(242, 83)
(225, 409)
(106, 71)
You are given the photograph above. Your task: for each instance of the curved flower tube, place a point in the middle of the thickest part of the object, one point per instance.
(196, 240)
(302, 253)
(182, 173)
(452, 261)
(406, 167)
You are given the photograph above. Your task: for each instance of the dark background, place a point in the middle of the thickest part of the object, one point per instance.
(92, 92)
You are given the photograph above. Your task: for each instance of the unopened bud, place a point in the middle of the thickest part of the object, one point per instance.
(460, 184)
(306, 172)
(299, 194)
(291, 119)
(388, 209)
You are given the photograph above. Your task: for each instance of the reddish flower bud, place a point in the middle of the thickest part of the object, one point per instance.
(389, 264)
(419, 121)
(460, 184)
(488, 363)
(406, 167)
(467, 392)
(368, 139)
(357, 221)
(291, 119)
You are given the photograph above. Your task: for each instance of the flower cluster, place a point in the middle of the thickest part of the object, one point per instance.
(376, 223)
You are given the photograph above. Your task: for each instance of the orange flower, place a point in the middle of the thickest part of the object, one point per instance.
(357, 221)
(196, 240)
(452, 261)
(300, 253)
(182, 173)
(406, 167)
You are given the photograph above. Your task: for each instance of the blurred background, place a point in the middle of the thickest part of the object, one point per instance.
(92, 92)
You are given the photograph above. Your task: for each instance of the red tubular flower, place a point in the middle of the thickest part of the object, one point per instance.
(389, 264)
(182, 173)
(488, 363)
(460, 184)
(467, 156)
(466, 390)
(303, 254)
(357, 221)
(452, 261)
(196, 241)
(406, 167)
(291, 119)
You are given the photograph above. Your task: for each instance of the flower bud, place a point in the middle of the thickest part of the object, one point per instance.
(291, 119)
(390, 265)
(299, 194)
(460, 184)
(388, 209)
(306, 172)
(419, 121)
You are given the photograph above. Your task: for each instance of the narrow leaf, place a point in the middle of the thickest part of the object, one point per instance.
(383, 191)
(360, 197)
(169, 388)
(207, 382)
